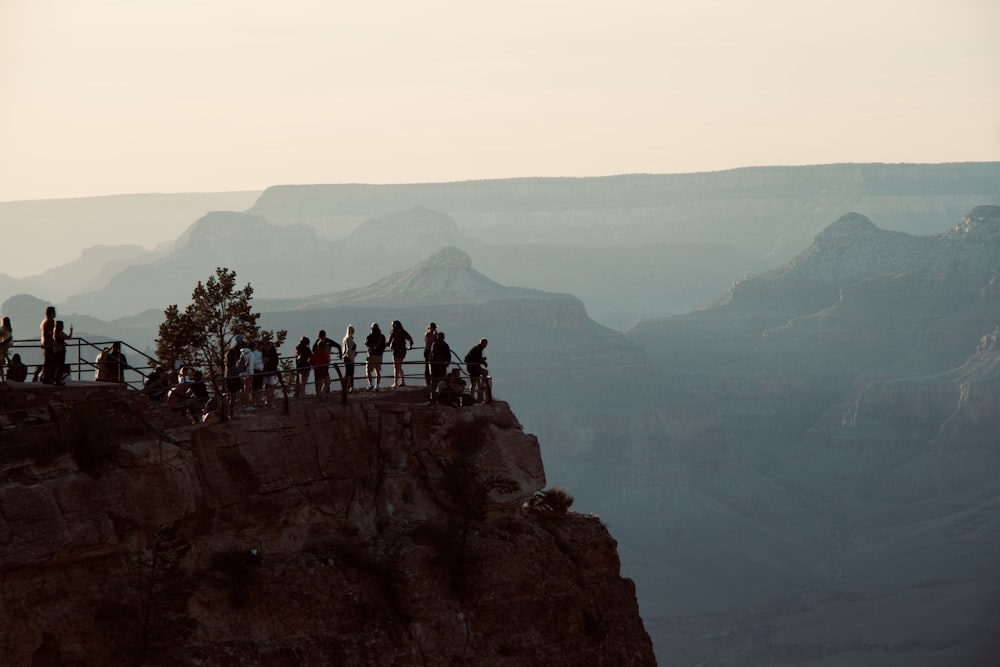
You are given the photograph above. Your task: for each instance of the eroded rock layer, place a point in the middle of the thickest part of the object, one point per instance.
(371, 533)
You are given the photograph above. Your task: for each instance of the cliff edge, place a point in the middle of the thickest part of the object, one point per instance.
(374, 532)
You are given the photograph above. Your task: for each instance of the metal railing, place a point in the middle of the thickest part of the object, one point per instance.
(82, 356)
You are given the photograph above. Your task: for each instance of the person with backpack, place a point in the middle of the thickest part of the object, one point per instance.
(320, 362)
(303, 351)
(440, 358)
(375, 342)
(475, 362)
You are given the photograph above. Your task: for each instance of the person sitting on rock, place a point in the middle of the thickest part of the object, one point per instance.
(157, 384)
(450, 389)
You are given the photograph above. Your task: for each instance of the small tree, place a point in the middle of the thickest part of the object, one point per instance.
(204, 331)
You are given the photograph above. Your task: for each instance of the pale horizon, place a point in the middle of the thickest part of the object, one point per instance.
(113, 97)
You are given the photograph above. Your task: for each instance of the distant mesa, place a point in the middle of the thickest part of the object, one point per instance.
(418, 219)
(445, 277)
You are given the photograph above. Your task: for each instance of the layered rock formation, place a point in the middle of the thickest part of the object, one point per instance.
(380, 531)
(849, 458)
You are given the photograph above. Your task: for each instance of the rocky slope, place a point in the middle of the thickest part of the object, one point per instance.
(375, 532)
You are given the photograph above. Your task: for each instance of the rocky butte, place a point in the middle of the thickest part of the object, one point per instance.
(380, 531)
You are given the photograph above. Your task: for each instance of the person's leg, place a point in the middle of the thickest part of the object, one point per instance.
(246, 395)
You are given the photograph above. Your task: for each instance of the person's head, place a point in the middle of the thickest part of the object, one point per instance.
(432, 327)
(50, 312)
(15, 358)
(483, 342)
(116, 346)
(304, 340)
(350, 330)
(5, 323)
(321, 334)
(440, 335)
(396, 324)
(198, 376)
(375, 326)
(59, 325)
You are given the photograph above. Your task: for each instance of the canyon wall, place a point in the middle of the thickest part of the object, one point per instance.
(381, 531)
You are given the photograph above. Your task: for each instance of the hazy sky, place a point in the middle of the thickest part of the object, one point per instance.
(123, 96)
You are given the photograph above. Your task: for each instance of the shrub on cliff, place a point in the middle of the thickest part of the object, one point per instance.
(552, 501)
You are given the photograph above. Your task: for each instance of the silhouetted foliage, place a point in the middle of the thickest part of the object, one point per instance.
(553, 501)
(201, 334)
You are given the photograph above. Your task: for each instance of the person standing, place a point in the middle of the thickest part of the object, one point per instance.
(48, 332)
(233, 381)
(119, 362)
(475, 362)
(246, 374)
(429, 337)
(375, 342)
(6, 340)
(349, 351)
(399, 341)
(59, 348)
(302, 353)
(440, 358)
(271, 362)
(257, 381)
(320, 362)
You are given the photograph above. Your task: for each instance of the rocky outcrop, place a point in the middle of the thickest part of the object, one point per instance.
(380, 531)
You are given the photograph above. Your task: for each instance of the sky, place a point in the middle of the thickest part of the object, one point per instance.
(134, 96)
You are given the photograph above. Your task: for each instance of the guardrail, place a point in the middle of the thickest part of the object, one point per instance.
(81, 357)
(84, 362)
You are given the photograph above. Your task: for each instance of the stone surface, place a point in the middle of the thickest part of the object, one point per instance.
(381, 531)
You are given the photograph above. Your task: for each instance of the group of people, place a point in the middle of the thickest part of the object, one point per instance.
(54, 337)
(316, 359)
(251, 373)
(252, 367)
(185, 390)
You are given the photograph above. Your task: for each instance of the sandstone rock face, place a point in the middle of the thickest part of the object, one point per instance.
(376, 532)
(848, 462)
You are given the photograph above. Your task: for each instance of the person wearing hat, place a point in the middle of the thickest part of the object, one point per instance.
(429, 337)
(375, 342)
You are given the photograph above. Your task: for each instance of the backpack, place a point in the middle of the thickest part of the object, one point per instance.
(241, 365)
